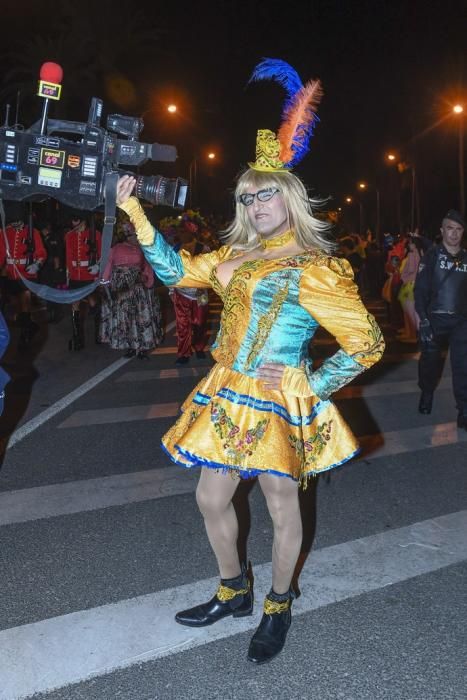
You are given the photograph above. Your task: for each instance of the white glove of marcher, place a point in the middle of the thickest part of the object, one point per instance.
(33, 269)
(93, 269)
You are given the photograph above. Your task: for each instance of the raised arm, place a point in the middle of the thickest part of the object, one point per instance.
(176, 269)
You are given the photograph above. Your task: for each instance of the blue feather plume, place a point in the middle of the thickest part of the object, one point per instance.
(299, 111)
(281, 72)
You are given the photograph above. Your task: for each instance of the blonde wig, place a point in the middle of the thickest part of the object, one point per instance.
(310, 232)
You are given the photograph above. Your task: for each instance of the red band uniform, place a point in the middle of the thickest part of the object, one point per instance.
(81, 264)
(18, 258)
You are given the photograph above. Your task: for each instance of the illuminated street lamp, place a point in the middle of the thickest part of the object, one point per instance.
(170, 108)
(458, 110)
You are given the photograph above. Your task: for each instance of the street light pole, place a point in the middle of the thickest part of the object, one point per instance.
(412, 208)
(360, 226)
(378, 218)
(192, 182)
(350, 200)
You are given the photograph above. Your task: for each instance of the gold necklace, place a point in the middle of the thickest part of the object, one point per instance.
(277, 241)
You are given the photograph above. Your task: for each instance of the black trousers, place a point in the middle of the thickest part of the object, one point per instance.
(450, 331)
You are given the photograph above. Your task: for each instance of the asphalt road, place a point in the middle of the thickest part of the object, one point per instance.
(102, 542)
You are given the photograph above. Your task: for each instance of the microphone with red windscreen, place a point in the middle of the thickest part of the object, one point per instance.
(50, 78)
(51, 72)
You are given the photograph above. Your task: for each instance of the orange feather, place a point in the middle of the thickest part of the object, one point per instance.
(298, 121)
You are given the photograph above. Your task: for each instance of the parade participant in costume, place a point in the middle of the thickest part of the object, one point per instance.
(408, 270)
(190, 304)
(441, 303)
(22, 252)
(263, 410)
(82, 256)
(130, 314)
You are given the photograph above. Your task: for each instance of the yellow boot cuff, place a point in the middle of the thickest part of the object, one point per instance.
(144, 229)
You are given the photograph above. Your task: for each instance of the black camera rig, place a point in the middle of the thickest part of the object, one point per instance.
(36, 165)
(44, 162)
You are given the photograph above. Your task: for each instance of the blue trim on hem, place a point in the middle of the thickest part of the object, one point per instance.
(249, 473)
(201, 399)
(262, 405)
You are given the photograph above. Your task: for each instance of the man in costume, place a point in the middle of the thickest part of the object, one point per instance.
(82, 254)
(22, 254)
(263, 410)
(441, 304)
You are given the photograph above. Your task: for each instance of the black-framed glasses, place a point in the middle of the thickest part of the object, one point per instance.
(247, 198)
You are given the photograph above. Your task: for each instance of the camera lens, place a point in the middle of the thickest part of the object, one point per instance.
(170, 192)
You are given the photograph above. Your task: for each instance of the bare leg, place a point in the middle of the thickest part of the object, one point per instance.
(281, 495)
(214, 497)
(234, 596)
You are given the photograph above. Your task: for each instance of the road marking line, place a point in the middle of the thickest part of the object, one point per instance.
(126, 414)
(56, 652)
(354, 391)
(62, 403)
(121, 414)
(402, 441)
(94, 494)
(174, 373)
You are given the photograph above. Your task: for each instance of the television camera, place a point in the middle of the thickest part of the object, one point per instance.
(40, 162)
(82, 173)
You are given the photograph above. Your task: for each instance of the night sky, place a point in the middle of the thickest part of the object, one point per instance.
(390, 71)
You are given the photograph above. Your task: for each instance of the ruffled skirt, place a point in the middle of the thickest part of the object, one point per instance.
(231, 423)
(131, 316)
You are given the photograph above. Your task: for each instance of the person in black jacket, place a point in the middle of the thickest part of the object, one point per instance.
(441, 303)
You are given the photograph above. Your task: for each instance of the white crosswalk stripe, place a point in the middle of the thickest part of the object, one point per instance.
(59, 651)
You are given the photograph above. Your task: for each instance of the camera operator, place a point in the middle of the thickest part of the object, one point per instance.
(82, 252)
(25, 254)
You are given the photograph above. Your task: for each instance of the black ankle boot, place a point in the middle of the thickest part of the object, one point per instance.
(77, 340)
(235, 599)
(97, 327)
(269, 638)
(426, 402)
(462, 420)
(28, 330)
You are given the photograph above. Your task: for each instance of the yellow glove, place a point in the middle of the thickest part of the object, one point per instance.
(144, 229)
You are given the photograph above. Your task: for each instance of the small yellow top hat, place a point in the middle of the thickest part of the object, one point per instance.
(268, 150)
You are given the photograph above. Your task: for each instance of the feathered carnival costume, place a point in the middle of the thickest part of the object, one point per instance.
(272, 310)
